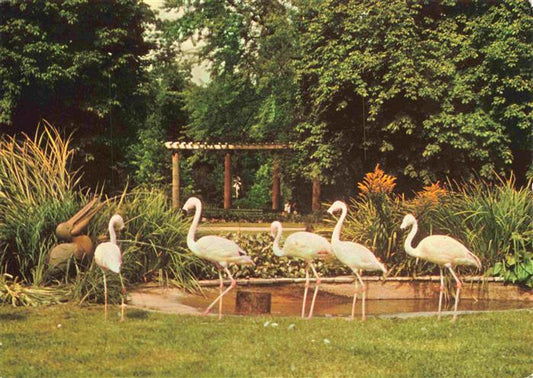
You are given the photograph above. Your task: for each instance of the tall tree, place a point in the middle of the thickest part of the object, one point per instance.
(250, 46)
(430, 89)
(77, 63)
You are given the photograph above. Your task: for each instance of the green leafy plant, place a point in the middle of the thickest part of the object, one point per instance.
(267, 265)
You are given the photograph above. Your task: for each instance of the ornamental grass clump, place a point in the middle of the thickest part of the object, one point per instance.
(494, 219)
(15, 293)
(36, 194)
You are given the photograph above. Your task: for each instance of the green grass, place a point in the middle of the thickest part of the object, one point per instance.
(71, 341)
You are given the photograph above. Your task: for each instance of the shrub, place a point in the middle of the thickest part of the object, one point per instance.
(494, 219)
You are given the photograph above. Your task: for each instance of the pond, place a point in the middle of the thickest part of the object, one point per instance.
(287, 301)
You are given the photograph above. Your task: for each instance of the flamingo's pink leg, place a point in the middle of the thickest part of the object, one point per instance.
(306, 288)
(354, 297)
(122, 295)
(105, 295)
(459, 285)
(220, 287)
(233, 284)
(315, 293)
(363, 286)
(441, 291)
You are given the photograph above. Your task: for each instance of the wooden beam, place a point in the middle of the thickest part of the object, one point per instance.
(315, 203)
(227, 181)
(225, 146)
(175, 180)
(275, 185)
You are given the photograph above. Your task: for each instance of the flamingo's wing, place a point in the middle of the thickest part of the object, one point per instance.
(356, 256)
(307, 245)
(107, 256)
(221, 250)
(443, 249)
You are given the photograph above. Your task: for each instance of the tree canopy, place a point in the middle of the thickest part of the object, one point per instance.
(428, 89)
(431, 89)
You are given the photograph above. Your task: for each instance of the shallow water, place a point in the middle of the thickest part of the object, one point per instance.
(287, 301)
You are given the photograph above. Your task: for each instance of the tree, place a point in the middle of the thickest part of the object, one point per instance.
(78, 64)
(431, 89)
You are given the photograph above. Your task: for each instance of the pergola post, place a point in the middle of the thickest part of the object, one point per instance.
(227, 181)
(275, 185)
(315, 203)
(175, 180)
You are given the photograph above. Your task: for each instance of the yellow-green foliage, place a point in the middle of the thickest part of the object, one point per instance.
(13, 292)
(36, 193)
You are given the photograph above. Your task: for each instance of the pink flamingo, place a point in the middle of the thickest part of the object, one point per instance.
(217, 249)
(108, 257)
(355, 256)
(306, 246)
(442, 250)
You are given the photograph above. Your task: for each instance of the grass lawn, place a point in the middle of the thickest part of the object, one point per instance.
(70, 341)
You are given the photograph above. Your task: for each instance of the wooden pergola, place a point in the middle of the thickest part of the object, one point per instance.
(176, 147)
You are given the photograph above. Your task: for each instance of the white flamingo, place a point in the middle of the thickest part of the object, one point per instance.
(307, 246)
(108, 257)
(442, 250)
(217, 249)
(355, 256)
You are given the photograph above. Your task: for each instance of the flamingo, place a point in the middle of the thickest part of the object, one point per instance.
(108, 257)
(355, 256)
(442, 250)
(216, 249)
(304, 245)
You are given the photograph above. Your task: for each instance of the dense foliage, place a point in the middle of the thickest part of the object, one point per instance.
(430, 89)
(37, 192)
(78, 64)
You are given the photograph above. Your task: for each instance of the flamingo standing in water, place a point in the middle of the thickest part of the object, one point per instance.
(307, 246)
(108, 257)
(442, 250)
(217, 249)
(355, 256)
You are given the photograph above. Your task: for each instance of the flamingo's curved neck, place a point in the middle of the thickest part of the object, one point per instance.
(409, 240)
(336, 235)
(275, 246)
(112, 233)
(191, 243)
